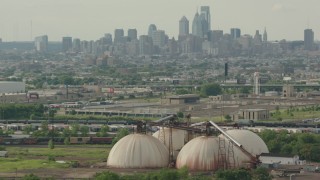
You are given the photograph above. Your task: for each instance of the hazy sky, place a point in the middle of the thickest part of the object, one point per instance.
(91, 19)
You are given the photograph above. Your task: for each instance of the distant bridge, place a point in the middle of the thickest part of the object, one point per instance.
(171, 86)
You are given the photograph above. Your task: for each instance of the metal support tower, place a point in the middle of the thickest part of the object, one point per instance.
(162, 135)
(222, 154)
(230, 160)
(170, 146)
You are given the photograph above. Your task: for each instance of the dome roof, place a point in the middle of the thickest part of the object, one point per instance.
(250, 142)
(200, 153)
(178, 138)
(138, 151)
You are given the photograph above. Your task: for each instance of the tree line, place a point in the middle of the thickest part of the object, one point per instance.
(21, 111)
(306, 145)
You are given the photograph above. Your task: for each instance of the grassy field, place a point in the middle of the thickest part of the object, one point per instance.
(14, 164)
(25, 157)
(296, 115)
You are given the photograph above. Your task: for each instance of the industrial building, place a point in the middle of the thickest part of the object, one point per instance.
(182, 99)
(251, 114)
(174, 146)
(270, 159)
(12, 87)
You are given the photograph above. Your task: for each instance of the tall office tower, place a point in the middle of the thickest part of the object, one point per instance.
(118, 35)
(151, 29)
(197, 26)
(215, 36)
(257, 37)
(265, 35)
(76, 45)
(66, 44)
(41, 43)
(108, 37)
(204, 25)
(145, 45)
(308, 39)
(205, 11)
(85, 47)
(132, 34)
(159, 38)
(235, 33)
(183, 26)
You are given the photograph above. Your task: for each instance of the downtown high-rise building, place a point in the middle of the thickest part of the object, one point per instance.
(108, 37)
(118, 35)
(197, 26)
(66, 44)
(215, 36)
(159, 38)
(265, 35)
(132, 34)
(145, 45)
(76, 45)
(201, 23)
(235, 33)
(183, 26)
(205, 12)
(308, 39)
(151, 29)
(41, 43)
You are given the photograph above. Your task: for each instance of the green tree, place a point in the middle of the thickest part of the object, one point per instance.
(75, 129)
(227, 117)
(121, 133)
(239, 174)
(66, 133)
(27, 129)
(210, 90)
(182, 91)
(261, 174)
(30, 177)
(103, 131)
(66, 141)
(84, 131)
(107, 176)
(50, 144)
(180, 114)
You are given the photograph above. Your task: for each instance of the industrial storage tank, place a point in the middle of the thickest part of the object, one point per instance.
(200, 154)
(179, 137)
(138, 151)
(250, 142)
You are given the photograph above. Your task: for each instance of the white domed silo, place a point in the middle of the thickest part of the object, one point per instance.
(138, 151)
(199, 154)
(179, 138)
(250, 141)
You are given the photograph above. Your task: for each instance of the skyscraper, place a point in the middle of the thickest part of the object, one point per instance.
(145, 45)
(41, 43)
(197, 26)
(159, 38)
(215, 36)
(118, 35)
(108, 37)
(132, 34)
(151, 29)
(66, 44)
(308, 39)
(205, 11)
(257, 38)
(183, 26)
(235, 33)
(265, 35)
(76, 45)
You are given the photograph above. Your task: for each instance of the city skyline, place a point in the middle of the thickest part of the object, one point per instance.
(90, 20)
